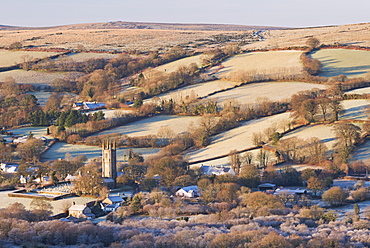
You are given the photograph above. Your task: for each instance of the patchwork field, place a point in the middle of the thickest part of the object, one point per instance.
(236, 139)
(35, 77)
(275, 91)
(352, 63)
(59, 150)
(151, 126)
(173, 66)
(355, 109)
(262, 62)
(10, 58)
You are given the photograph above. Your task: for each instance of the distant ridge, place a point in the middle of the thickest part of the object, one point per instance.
(5, 27)
(147, 25)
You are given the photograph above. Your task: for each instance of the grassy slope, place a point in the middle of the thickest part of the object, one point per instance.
(352, 63)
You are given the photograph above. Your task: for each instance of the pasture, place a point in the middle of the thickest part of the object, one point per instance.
(352, 63)
(81, 57)
(365, 90)
(355, 109)
(323, 132)
(238, 138)
(152, 125)
(173, 66)
(262, 62)
(36, 78)
(36, 131)
(194, 91)
(274, 91)
(362, 152)
(10, 58)
(112, 113)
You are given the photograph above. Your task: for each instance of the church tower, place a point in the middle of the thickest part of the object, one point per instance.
(109, 161)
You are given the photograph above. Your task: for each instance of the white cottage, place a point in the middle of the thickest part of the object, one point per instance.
(189, 191)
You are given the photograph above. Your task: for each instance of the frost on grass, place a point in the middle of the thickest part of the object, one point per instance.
(352, 63)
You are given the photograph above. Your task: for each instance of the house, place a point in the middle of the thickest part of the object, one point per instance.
(80, 211)
(9, 167)
(217, 170)
(115, 199)
(189, 191)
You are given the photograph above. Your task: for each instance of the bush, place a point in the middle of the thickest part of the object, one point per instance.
(334, 196)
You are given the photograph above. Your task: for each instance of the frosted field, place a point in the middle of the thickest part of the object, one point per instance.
(323, 132)
(351, 63)
(35, 77)
(264, 62)
(81, 57)
(225, 161)
(275, 91)
(36, 131)
(42, 96)
(355, 109)
(362, 152)
(112, 113)
(236, 139)
(173, 66)
(196, 90)
(365, 90)
(5, 201)
(9, 58)
(151, 126)
(59, 150)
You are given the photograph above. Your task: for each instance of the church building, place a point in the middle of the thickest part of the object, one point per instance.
(109, 164)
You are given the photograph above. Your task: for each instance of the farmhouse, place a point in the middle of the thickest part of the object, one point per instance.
(111, 203)
(80, 211)
(189, 191)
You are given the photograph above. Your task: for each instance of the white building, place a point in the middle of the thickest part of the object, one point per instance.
(189, 191)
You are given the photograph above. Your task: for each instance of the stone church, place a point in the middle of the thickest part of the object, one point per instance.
(109, 164)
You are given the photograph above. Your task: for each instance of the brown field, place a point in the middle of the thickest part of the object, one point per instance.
(106, 39)
(10, 58)
(36, 77)
(353, 34)
(262, 62)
